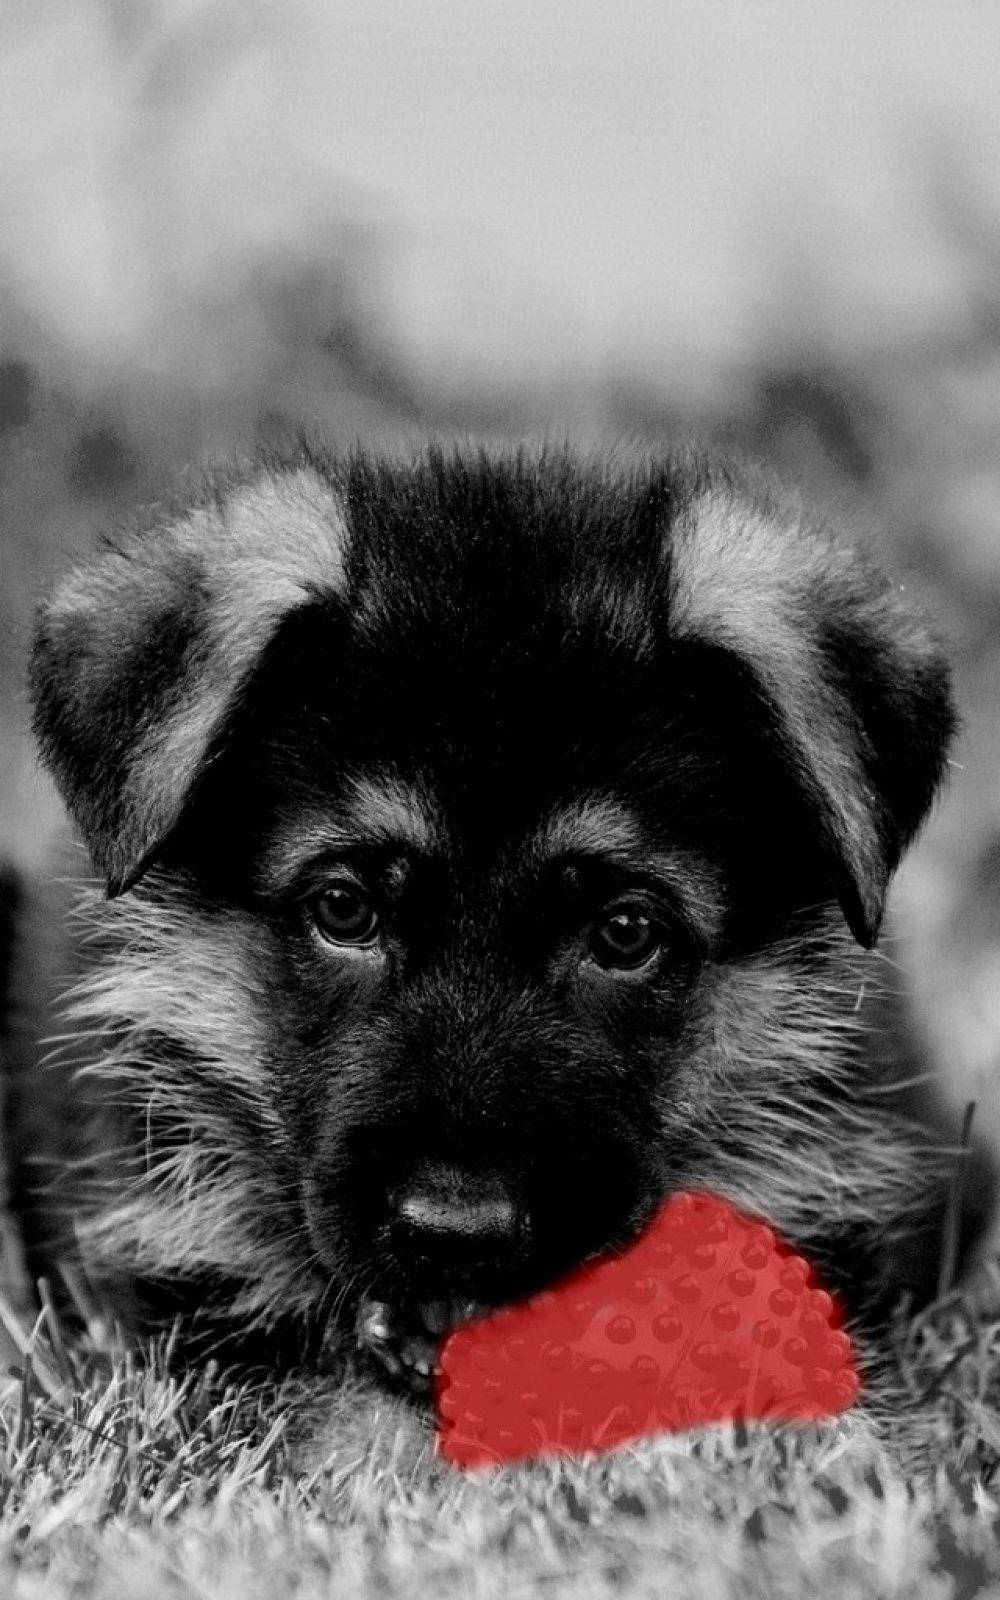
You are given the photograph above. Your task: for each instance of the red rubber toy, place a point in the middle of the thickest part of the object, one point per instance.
(707, 1318)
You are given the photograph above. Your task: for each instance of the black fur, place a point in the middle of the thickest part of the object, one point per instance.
(497, 640)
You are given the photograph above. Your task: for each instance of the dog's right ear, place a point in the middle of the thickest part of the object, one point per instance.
(140, 655)
(850, 691)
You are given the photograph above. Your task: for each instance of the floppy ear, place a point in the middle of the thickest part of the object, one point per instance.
(140, 655)
(854, 693)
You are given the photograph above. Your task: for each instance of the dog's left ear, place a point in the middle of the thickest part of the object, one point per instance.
(141, 654)
(854, 694)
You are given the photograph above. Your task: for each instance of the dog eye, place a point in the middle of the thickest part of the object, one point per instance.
(625, 939)
(345, 915)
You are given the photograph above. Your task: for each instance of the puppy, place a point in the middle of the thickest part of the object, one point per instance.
(493, 843)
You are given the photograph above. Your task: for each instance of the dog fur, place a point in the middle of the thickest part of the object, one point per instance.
(509, 690)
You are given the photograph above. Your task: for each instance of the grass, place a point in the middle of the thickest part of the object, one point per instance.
(121, 1481)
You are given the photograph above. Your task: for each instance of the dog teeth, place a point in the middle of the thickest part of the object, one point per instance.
(408, 1350)
(416, 1351)
(373, 1324)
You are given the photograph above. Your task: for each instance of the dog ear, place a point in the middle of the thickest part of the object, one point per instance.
(139, 656)
(853, 692)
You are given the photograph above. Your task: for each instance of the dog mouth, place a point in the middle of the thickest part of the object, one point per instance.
(404, 1345)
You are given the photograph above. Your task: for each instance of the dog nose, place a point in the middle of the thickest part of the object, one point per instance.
(457, 1216)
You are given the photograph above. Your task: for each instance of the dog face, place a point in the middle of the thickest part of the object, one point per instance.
(483, 835)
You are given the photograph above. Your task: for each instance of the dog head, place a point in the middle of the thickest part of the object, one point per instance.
(483, 834)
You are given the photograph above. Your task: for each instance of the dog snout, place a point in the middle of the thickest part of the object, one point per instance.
(455, 1218)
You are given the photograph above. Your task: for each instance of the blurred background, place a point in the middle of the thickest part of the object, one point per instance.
(773, 223)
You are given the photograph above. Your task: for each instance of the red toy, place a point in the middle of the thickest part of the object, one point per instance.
(707, 1318)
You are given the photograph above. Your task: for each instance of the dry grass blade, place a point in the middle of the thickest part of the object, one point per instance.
(136, 1480)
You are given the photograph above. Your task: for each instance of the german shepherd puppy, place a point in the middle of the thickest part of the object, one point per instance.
(493, 843)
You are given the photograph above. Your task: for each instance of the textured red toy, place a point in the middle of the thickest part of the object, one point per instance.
(707, 1318)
